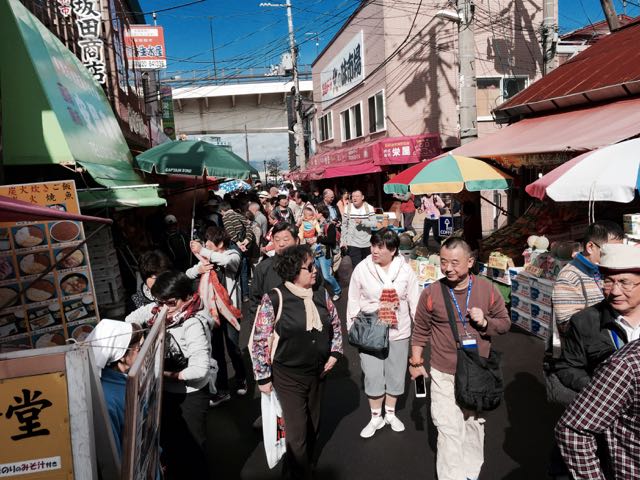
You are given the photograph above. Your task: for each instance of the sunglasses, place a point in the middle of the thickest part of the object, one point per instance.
(309, 268)
(168, 303)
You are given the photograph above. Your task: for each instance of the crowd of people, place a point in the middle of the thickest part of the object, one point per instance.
(277, 253)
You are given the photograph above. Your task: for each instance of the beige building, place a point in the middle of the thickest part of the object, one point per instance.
(387, 84)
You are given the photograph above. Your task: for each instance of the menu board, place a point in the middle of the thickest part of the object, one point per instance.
(42, 312)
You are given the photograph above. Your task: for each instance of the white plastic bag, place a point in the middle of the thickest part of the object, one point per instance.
(272, 428)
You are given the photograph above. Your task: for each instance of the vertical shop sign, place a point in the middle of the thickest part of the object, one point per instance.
(145, 47)
(89, 23)
(35, 441)
(42, 311)
(168, 122)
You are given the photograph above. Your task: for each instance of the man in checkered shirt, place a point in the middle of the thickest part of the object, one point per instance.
(608, 408)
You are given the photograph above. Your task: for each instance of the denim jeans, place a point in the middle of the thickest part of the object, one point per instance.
(227, 336)
(325, 265)
(244, 275)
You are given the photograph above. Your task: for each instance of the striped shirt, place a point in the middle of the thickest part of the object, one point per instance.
(610, 408)
(357, 224)
(576, 288)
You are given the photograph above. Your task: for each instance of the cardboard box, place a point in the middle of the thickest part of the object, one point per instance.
(521, 286)
(542, 313)
(541, 291)
(539, 329)
(522, 304)
(631, 222)
(521, 319)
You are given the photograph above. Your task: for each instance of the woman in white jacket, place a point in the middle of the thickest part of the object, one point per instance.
(386, 283)
(185, 399)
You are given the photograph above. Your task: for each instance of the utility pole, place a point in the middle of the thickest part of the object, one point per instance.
(467, 49)
(246, 142)
(213, 49)
(298, 133)
(266, 178)
(610, 13)
(549, 34)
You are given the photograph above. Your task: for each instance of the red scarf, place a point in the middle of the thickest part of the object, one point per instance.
(389, 303)
(217, 300)
(188, 310)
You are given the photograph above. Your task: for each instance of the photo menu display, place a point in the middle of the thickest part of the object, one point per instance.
(42, 311)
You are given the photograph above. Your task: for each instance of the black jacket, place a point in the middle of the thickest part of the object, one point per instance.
(587, 344)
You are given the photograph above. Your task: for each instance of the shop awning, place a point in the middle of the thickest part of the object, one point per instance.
(573, 131)
(18, 211)
(134, 196)
(54, 112)
(371, 157)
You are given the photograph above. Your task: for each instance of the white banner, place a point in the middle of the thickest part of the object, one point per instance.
(29, 467)
(345, 71)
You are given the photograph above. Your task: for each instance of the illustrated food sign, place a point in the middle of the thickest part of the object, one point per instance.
(41, 311)
(35, 441)
(144, 46)
(345, 71)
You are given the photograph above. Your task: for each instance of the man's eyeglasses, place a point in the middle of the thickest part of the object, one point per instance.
(309, 268)
(168, 303)
(625, 285)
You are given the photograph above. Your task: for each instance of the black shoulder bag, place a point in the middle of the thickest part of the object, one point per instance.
(479, 384)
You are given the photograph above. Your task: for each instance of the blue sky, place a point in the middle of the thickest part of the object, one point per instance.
(247, 35)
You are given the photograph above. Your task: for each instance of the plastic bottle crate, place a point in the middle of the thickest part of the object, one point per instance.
(108, 290)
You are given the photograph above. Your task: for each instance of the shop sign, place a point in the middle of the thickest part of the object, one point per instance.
(345, 71)
(445, 224)
(409, 149)
(64, 8)
(168, 122)
(35, 441)
(144, 46)
(89, 23)
(37, 309)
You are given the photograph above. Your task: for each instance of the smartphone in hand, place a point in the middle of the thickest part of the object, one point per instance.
(420, 386)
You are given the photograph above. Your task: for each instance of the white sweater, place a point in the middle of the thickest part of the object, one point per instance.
(194, 337)
(230, 261)
(365, 289)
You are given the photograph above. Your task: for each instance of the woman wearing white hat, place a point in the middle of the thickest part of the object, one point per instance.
(115, 346)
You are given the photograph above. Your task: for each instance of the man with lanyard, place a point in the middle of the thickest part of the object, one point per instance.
(480, 313)
(595, 333)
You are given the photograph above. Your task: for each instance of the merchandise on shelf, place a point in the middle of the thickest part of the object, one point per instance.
(631, 223)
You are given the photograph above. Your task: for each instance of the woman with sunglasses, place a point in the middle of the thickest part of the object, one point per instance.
(310, 342)
(186, 393)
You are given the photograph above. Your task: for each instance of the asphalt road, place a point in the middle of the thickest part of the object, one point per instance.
(518, 433)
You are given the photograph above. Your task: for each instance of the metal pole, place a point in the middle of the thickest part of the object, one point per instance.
(610, 12)
(246, 142)
(298, 134)
(466, 47)
(548, 35)
(213, 49)
(266, 180)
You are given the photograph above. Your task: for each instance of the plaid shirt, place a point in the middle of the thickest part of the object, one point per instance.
(608, 407)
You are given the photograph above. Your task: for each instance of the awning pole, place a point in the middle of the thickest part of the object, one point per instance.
(193, 209)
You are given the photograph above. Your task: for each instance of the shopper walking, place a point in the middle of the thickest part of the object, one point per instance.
(480, 314)
(328, 250)
(310, 343)
(430, 205)
(357, 223)
(385, 283)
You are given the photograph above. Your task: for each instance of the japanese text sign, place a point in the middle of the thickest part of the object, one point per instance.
(35, 441)
(89, 23)
(144, 46)
(345, 71)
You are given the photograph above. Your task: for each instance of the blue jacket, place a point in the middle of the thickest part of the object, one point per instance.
(114, 385)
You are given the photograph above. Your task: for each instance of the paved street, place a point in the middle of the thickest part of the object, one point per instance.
(518, 434)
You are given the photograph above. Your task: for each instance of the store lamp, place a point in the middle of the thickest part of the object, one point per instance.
(448, 14)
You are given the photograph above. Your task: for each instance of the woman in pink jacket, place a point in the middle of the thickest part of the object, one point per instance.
(386, 283)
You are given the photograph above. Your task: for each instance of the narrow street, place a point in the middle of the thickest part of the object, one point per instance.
(518, 433)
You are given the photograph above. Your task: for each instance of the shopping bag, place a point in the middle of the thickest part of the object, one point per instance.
(273, 432)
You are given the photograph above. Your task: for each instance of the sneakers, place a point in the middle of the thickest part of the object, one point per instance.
(241, 388)
(374, 425)
(219, 398)
(395, 422)
(335, 298)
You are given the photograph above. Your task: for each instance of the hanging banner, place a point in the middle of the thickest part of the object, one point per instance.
(168, 122)
(42, 311)
(144, 45)
(345, 71)
(89, 23)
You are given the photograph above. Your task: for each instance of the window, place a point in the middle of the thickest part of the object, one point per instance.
(325, 127)
(492, 91)
(351, 122)
(376, 113)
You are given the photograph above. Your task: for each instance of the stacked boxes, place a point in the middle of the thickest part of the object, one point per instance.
(531, 305)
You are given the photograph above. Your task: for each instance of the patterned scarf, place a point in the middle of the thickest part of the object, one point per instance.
(188, 310)
(389, 299)
(217, 300)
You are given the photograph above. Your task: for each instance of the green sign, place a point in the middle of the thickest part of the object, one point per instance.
(168, 123)
(54, 112)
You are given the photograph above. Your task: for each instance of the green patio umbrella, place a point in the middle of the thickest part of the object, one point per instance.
(197, 158)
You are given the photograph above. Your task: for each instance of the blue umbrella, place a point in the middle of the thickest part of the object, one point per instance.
(234, 186)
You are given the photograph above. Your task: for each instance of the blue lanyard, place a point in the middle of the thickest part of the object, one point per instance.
(455, 303)
(617, 341)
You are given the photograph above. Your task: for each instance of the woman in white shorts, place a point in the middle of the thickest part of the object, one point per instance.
(386, 283)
